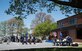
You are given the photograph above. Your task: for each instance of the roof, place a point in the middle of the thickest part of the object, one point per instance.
(70, 17)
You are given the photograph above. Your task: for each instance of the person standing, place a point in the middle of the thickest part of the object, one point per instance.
(22, 39)
(8, 40)
(69, 40)
(12, 38)
(16, 38)
(26, 38)
(30, 39)
(55, 37)
(61, 38)
(34, 40)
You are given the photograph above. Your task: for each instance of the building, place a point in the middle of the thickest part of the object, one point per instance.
(71, 26)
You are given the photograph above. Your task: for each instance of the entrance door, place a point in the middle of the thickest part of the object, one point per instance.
(79, 33)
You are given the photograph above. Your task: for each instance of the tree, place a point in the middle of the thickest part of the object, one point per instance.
(15, 25)
(23, 8)
(72, 3)
(3, 27)
(25, 30)
(20, 24)
(44, 28)
(40, 18)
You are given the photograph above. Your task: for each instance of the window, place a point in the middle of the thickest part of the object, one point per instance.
(73, 21)
(60, 24)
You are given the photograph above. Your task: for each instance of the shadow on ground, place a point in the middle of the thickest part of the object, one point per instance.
(50, 49)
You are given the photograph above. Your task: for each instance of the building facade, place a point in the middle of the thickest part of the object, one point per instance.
(71, 26)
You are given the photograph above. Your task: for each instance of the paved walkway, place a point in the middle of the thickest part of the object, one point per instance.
(14, 46)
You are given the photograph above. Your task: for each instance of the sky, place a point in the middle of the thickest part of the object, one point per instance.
(4, 4)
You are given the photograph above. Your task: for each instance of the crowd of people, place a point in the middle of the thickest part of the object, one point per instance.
(23, 39)
(61, 41)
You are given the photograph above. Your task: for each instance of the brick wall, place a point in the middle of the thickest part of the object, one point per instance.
(65, 21)
(72, 33)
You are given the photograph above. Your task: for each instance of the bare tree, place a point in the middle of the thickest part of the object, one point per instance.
(3, 27)
(15, 26)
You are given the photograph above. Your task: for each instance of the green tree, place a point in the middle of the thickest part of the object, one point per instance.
(23, 8)
(44, 28)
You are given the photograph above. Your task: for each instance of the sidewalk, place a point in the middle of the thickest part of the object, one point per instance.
(15, 45)
(80, 44)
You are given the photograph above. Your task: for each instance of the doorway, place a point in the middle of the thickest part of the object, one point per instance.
(79, 33)
(65, 33)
